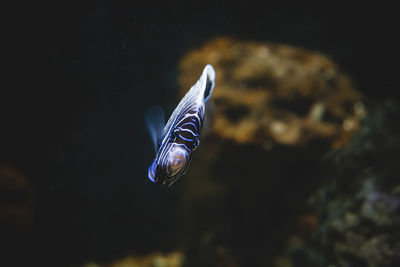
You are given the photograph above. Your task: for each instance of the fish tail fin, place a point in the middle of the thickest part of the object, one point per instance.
(198, 94)
(208, 77)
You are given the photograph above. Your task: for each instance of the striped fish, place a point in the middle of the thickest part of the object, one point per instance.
(175, 142)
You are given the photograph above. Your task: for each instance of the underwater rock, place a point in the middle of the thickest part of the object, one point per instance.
(275, 93)
(171, 259)
(279, 111)
(358, 208)
(245, 206)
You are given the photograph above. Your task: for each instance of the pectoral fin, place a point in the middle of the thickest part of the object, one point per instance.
(155, 122)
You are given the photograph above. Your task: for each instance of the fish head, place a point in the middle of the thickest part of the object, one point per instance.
(173, 164)
(178, 159)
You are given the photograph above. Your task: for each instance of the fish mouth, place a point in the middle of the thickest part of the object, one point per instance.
(172, 179)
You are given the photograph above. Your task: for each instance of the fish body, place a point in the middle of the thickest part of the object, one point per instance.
(175, 142)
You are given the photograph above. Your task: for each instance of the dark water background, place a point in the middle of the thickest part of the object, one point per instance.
(79, 75)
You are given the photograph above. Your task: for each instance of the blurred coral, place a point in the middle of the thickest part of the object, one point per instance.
(258, 188)
(172, 259)
(359, 208)
(273, 92)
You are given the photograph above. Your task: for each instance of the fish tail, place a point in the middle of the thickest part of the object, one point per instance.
(208, 81)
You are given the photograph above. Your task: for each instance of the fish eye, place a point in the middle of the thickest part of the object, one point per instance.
(174, 135)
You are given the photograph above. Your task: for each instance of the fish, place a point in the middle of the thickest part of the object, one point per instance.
(175, 141)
